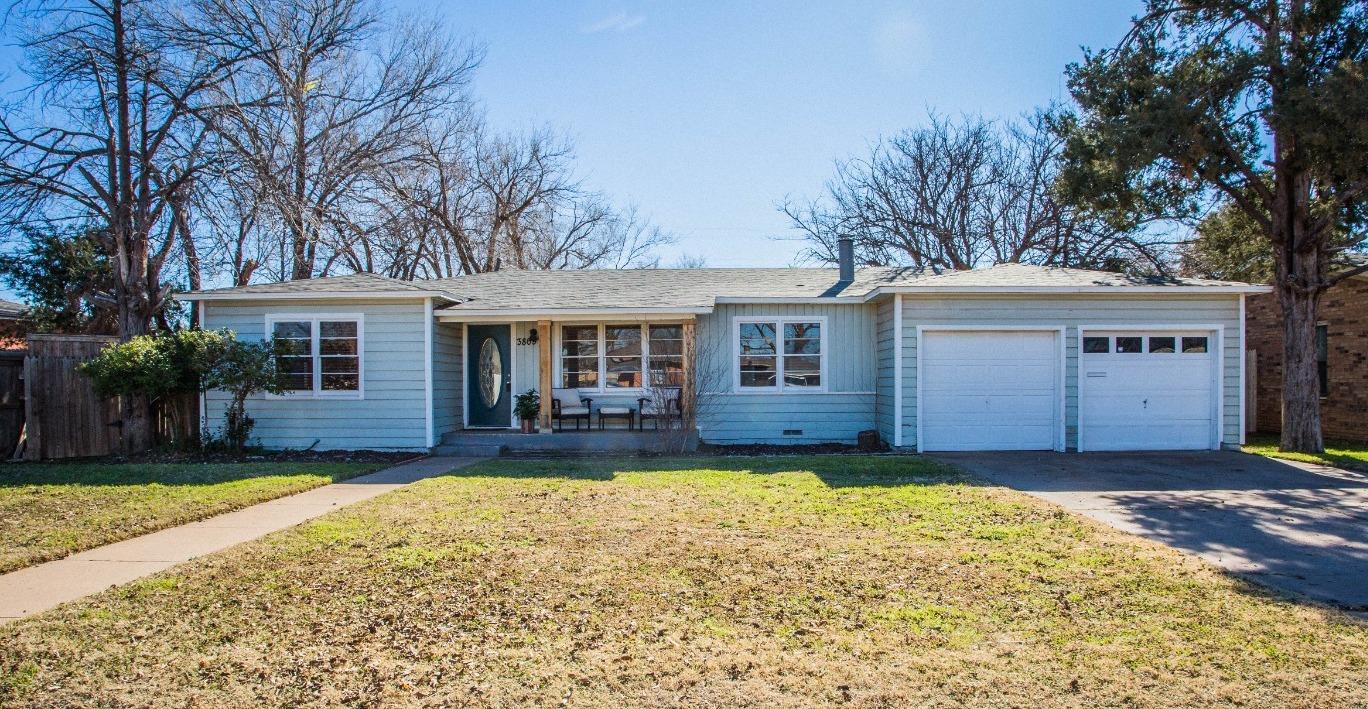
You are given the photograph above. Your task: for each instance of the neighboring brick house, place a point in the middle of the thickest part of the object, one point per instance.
(1342, 336)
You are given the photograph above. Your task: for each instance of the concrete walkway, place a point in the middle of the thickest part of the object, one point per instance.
(39, 588)
(1299, 528)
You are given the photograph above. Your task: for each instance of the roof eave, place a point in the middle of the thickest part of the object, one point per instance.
(317, 295)
(563, 313)
(791, 300)
(1070, 290)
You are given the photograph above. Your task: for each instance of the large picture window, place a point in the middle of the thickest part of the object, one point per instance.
(780, 353)
(622, 356)
(318, 355)
(607, 357)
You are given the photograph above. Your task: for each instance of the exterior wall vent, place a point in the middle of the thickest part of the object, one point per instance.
(793, 432)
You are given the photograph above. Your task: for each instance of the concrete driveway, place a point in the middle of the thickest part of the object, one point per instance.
(1299, 528)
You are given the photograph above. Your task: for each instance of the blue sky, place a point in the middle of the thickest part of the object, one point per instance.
(707, 114)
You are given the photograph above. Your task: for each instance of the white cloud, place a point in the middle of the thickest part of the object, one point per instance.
(616, 22)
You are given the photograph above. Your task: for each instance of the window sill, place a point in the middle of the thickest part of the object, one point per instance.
(344, 395)
(780, 390)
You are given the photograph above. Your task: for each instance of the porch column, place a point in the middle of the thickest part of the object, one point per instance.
(544, 374)
(689, 391)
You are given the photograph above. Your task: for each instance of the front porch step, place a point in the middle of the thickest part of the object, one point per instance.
(470, 450)
(491, 443)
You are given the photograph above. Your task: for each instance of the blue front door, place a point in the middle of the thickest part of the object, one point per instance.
(489, 376)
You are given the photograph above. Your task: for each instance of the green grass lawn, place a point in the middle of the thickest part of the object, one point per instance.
(1350, 456)
(48, 511)
(776, 582)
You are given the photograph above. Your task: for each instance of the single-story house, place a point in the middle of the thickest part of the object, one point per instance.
(1011, 357)
(1341, 351)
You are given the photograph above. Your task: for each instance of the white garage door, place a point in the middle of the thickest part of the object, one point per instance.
(989, 390)
(1148, 391)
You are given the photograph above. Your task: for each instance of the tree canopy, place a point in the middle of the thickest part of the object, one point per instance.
(1260, 103)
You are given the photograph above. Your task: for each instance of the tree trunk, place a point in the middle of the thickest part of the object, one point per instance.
(1301, 419)
(1300, 263)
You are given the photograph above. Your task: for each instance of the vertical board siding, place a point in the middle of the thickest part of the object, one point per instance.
(393, 414)
(447, 353)
(883, 388)
(1073, 312)
(526, 359)
(835, 415)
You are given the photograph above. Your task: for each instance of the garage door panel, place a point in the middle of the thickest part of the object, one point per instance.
(1147, 401)
(1027, 407)
(989, 390)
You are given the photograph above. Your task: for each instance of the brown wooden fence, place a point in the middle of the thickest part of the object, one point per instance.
(65, 418)
(11, 400)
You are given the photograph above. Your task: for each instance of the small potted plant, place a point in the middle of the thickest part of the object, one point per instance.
(527, 405)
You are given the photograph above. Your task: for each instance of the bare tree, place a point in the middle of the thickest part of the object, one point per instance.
(108, 133)
(330, 98)
(690, 261)
(957, 195)
(475, 202)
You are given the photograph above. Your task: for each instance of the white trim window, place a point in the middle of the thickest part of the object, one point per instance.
(579, 356)
(776, 354)
(320, 355)
(607, 357)
(665, 354)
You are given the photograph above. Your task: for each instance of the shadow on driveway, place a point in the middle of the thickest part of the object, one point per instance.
(1295, 527)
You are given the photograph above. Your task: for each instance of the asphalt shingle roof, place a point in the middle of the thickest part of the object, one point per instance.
(697, 288)
(355, 282)
(648, 288)
(10, 309)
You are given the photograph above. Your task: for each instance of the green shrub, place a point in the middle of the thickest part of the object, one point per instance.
(243, 369)
(156, 366)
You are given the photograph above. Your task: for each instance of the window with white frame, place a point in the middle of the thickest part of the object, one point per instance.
(666, 346)
(580, 356)
(780, 353)
(613, 356)
(318, 355)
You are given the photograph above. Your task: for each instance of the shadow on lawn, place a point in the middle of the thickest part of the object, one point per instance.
(836, 471)
(170, 474)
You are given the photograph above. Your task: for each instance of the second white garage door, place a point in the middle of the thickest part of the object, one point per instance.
(989, 390)
(1148, 391)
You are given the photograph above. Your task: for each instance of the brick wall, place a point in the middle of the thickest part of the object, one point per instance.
(1344, 309)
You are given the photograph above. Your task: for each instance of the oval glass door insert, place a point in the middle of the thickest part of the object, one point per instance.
(491, 373)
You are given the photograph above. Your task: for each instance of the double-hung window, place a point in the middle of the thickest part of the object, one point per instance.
(666, 347)
(607, 357)
(318, 355)
(780, 353)
(580, 356)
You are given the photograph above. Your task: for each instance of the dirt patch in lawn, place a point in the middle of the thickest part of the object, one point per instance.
(868, 582)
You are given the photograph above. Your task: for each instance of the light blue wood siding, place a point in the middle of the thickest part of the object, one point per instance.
(392, 416)
(835, 415)
(884, 403)
(1071, 312)
(447, 390)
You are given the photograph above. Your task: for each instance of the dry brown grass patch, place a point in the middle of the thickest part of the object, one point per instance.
(871, 582)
